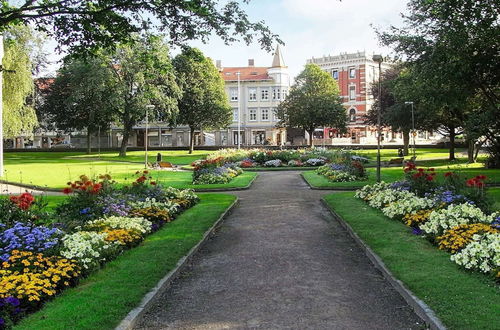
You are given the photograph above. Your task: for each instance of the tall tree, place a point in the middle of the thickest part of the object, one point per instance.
(452, 45)
(204, 103)
(82, 97)
(21, 46)
(85, 26)
(145, 79)
(314, 101)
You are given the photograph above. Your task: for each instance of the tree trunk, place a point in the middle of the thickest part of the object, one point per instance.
(471, 151)
(406, 142)
(452, 143)
(89, 141)
(311, 138)
(191, 140)
(126, 135)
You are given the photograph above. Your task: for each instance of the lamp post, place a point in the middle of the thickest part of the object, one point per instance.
(239, 112)
(379, 59)
(413, 133)
(146, 136)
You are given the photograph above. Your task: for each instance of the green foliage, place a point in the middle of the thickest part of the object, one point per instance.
(86, 26)
(313, 102)
(18, 114)
(451, 50)
(204, 103)
(144, 78)
(82, 96)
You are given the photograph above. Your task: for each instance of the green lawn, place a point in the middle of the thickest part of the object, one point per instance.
(177, 157)
(103, 299)
(391, 174)
(461, 299)
(422, 153)
(55, 169)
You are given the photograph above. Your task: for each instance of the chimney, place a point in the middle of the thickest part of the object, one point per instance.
(251, 62)
(218, 64)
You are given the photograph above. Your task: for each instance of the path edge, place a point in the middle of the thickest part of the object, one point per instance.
(420, 307)
(135, 315)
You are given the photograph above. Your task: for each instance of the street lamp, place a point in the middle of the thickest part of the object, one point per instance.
(413, 133)
(379, 59)
(239, 117)
(150, 106)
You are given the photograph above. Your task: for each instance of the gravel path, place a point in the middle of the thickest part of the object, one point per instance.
(280, 261)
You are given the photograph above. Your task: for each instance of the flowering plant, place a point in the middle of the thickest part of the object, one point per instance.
(315, 161)
(420, 180)
(369, 191)
(385, 197)
(273, 163)
(247, 163)
(32, 276)
(417, 218)
(408, 203)
(458, 237)
(452, 216)
(27, 238)
(9, 311)
(140, 225)
(482, 253)
(90, 249)
(23, 201)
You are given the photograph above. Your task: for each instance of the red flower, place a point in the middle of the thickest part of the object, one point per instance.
(429, 178)
(431, 169)
(67, 191)
(153, 183)
(447, 174)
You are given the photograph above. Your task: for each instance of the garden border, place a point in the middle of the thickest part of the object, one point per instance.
(136, 314)
(420, 307)
(59, 190)
(225, 189)
(329, 188)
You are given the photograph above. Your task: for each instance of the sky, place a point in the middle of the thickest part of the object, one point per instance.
(309, 28)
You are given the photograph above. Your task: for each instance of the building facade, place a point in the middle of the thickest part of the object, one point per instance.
(355, 74)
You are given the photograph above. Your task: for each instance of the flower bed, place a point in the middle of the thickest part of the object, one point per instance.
(42, 255)
(454, 214)
(312, 157)
(344, 170)
(213, 171)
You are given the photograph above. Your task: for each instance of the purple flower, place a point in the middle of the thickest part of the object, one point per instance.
(12, 301)
(27, 238)
(417, 231)
(2, 322)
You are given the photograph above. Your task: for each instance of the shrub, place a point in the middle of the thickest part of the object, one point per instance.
(273, 163)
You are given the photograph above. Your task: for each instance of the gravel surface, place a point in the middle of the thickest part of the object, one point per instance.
(280, 261)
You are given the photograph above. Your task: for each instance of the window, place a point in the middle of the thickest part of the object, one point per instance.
(352, 115)
(352, 73)
(335, 74)
(235, 114)
(264, 94)
(233, 94)
(352, 92)
(284, 93)
(264, 114)
(253, 114)
(276, 93)
(252, 94)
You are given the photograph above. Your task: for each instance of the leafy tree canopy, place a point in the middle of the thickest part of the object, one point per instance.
(204, 103)
(85, 26)
(313, 102)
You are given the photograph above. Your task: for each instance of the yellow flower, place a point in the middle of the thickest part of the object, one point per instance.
(455, 239)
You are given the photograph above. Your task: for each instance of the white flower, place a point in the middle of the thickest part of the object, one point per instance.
(140, 225)
(407, 204)
(452, 216)
(482, 253)
(368, 191)
(88, 248)
(385, 197)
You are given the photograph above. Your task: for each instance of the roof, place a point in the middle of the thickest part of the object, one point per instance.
(278, 59)
(246, 73)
